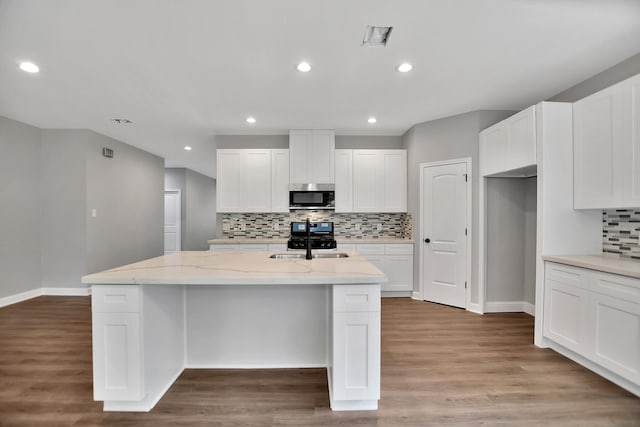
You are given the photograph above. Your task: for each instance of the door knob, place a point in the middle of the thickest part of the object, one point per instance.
(427, 240)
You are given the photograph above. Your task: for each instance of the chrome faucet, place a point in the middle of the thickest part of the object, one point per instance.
(308, 256)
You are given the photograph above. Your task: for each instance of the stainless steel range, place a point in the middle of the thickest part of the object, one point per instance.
(320, 235)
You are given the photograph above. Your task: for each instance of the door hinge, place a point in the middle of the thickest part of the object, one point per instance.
(465, 284)
(465, 231)
(466, 177)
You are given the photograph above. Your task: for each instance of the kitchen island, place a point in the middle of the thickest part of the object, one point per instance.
(155, 318)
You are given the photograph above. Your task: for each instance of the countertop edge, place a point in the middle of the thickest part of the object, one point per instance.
(603, 263)
(281, 240)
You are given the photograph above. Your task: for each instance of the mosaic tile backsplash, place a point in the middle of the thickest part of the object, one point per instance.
(620, 232)
(277, 225)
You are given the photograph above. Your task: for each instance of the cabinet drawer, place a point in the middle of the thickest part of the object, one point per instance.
(223, 248)
(347, 247)
(115, 299)
(399, 249)
(354, 298)
(278, 247)
(370, 249)
(566, 274)
(626, 288)
(253, 247)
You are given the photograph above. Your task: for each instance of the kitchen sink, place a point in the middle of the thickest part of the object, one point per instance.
(315, 255)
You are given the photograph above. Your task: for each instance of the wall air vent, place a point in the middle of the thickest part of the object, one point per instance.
(376, 36)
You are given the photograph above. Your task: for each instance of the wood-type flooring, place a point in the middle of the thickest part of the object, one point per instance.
(440, 366)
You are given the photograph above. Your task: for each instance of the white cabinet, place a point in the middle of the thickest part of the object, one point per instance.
(379, 180)
(244, 247)
(597, 316)
(280, 180)
(606, 147)
(344, 180)
(312, 156)
(244, 180)
(355, 356)
(252, 180)
(117, 352)
(509, 145)
(393, 259)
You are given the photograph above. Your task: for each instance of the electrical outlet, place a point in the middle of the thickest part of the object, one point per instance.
(379, 227)
(357, 226)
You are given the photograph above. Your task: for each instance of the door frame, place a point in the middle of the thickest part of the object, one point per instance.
(179, 192)
(469, 219)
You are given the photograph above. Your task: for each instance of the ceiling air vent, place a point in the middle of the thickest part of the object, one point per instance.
(376, 36)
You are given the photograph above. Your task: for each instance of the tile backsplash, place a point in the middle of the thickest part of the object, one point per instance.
(620, 232)
(277, 225)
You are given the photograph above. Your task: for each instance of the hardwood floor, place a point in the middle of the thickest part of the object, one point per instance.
(440, 366)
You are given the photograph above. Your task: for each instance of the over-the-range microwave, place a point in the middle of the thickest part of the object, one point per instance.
(312, 197)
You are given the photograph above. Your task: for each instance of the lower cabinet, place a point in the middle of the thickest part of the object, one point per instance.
(596, 315)
(393, 259)
(355, 364)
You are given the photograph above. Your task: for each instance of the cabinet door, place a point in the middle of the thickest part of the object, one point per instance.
(521, 137)
(493, 149)
(394, 180)
(299, 142)
(255, 189)
(367, 181)
(617, 335)
(117, 357)
(566, 319)
(356, 356)
(321, 160)
(399, 270)
(223, 248)
(631, 147)
(597, 133)
(228, 181)
(344, 180)
(280, 180)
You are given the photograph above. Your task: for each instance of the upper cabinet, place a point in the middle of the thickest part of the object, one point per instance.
(509, 147)
(606, 147)
(371, 180)
(312, 156)
(252, 180)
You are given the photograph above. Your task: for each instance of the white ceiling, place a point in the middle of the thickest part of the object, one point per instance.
(185, 71)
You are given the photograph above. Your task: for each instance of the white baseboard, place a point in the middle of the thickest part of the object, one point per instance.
(474, 308)
(416, 295)
(395, 294)
(509, 307)
(23, 296)
(68, 292)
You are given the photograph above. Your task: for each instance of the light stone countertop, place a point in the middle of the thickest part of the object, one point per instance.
(239, 268)
(607, 263)
(343, 240)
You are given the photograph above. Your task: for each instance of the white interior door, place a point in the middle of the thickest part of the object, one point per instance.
(172, 221)
(444, 243)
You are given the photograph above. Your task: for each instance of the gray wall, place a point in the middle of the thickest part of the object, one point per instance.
(128, 193)
(198, 206)
(19, 216)
(358, 142)
(610, 76)
(282, 141)
(445, 139)
(63, 224)
(530, 237)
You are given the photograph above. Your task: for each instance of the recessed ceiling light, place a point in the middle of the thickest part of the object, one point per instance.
(121, 121)
(251, 120)
(187, 147)
(29, 67)
(372, 120)
(303, 67)
(405, 67)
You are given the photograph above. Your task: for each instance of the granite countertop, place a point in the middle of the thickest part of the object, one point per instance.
(239, 268)
(607, 263)
(343, 240)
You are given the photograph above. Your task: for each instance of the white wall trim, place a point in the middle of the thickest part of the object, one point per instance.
(530, 309)
(475, 308)
(70, 292)
(509, 307)
(416, 295)
(24, 296)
